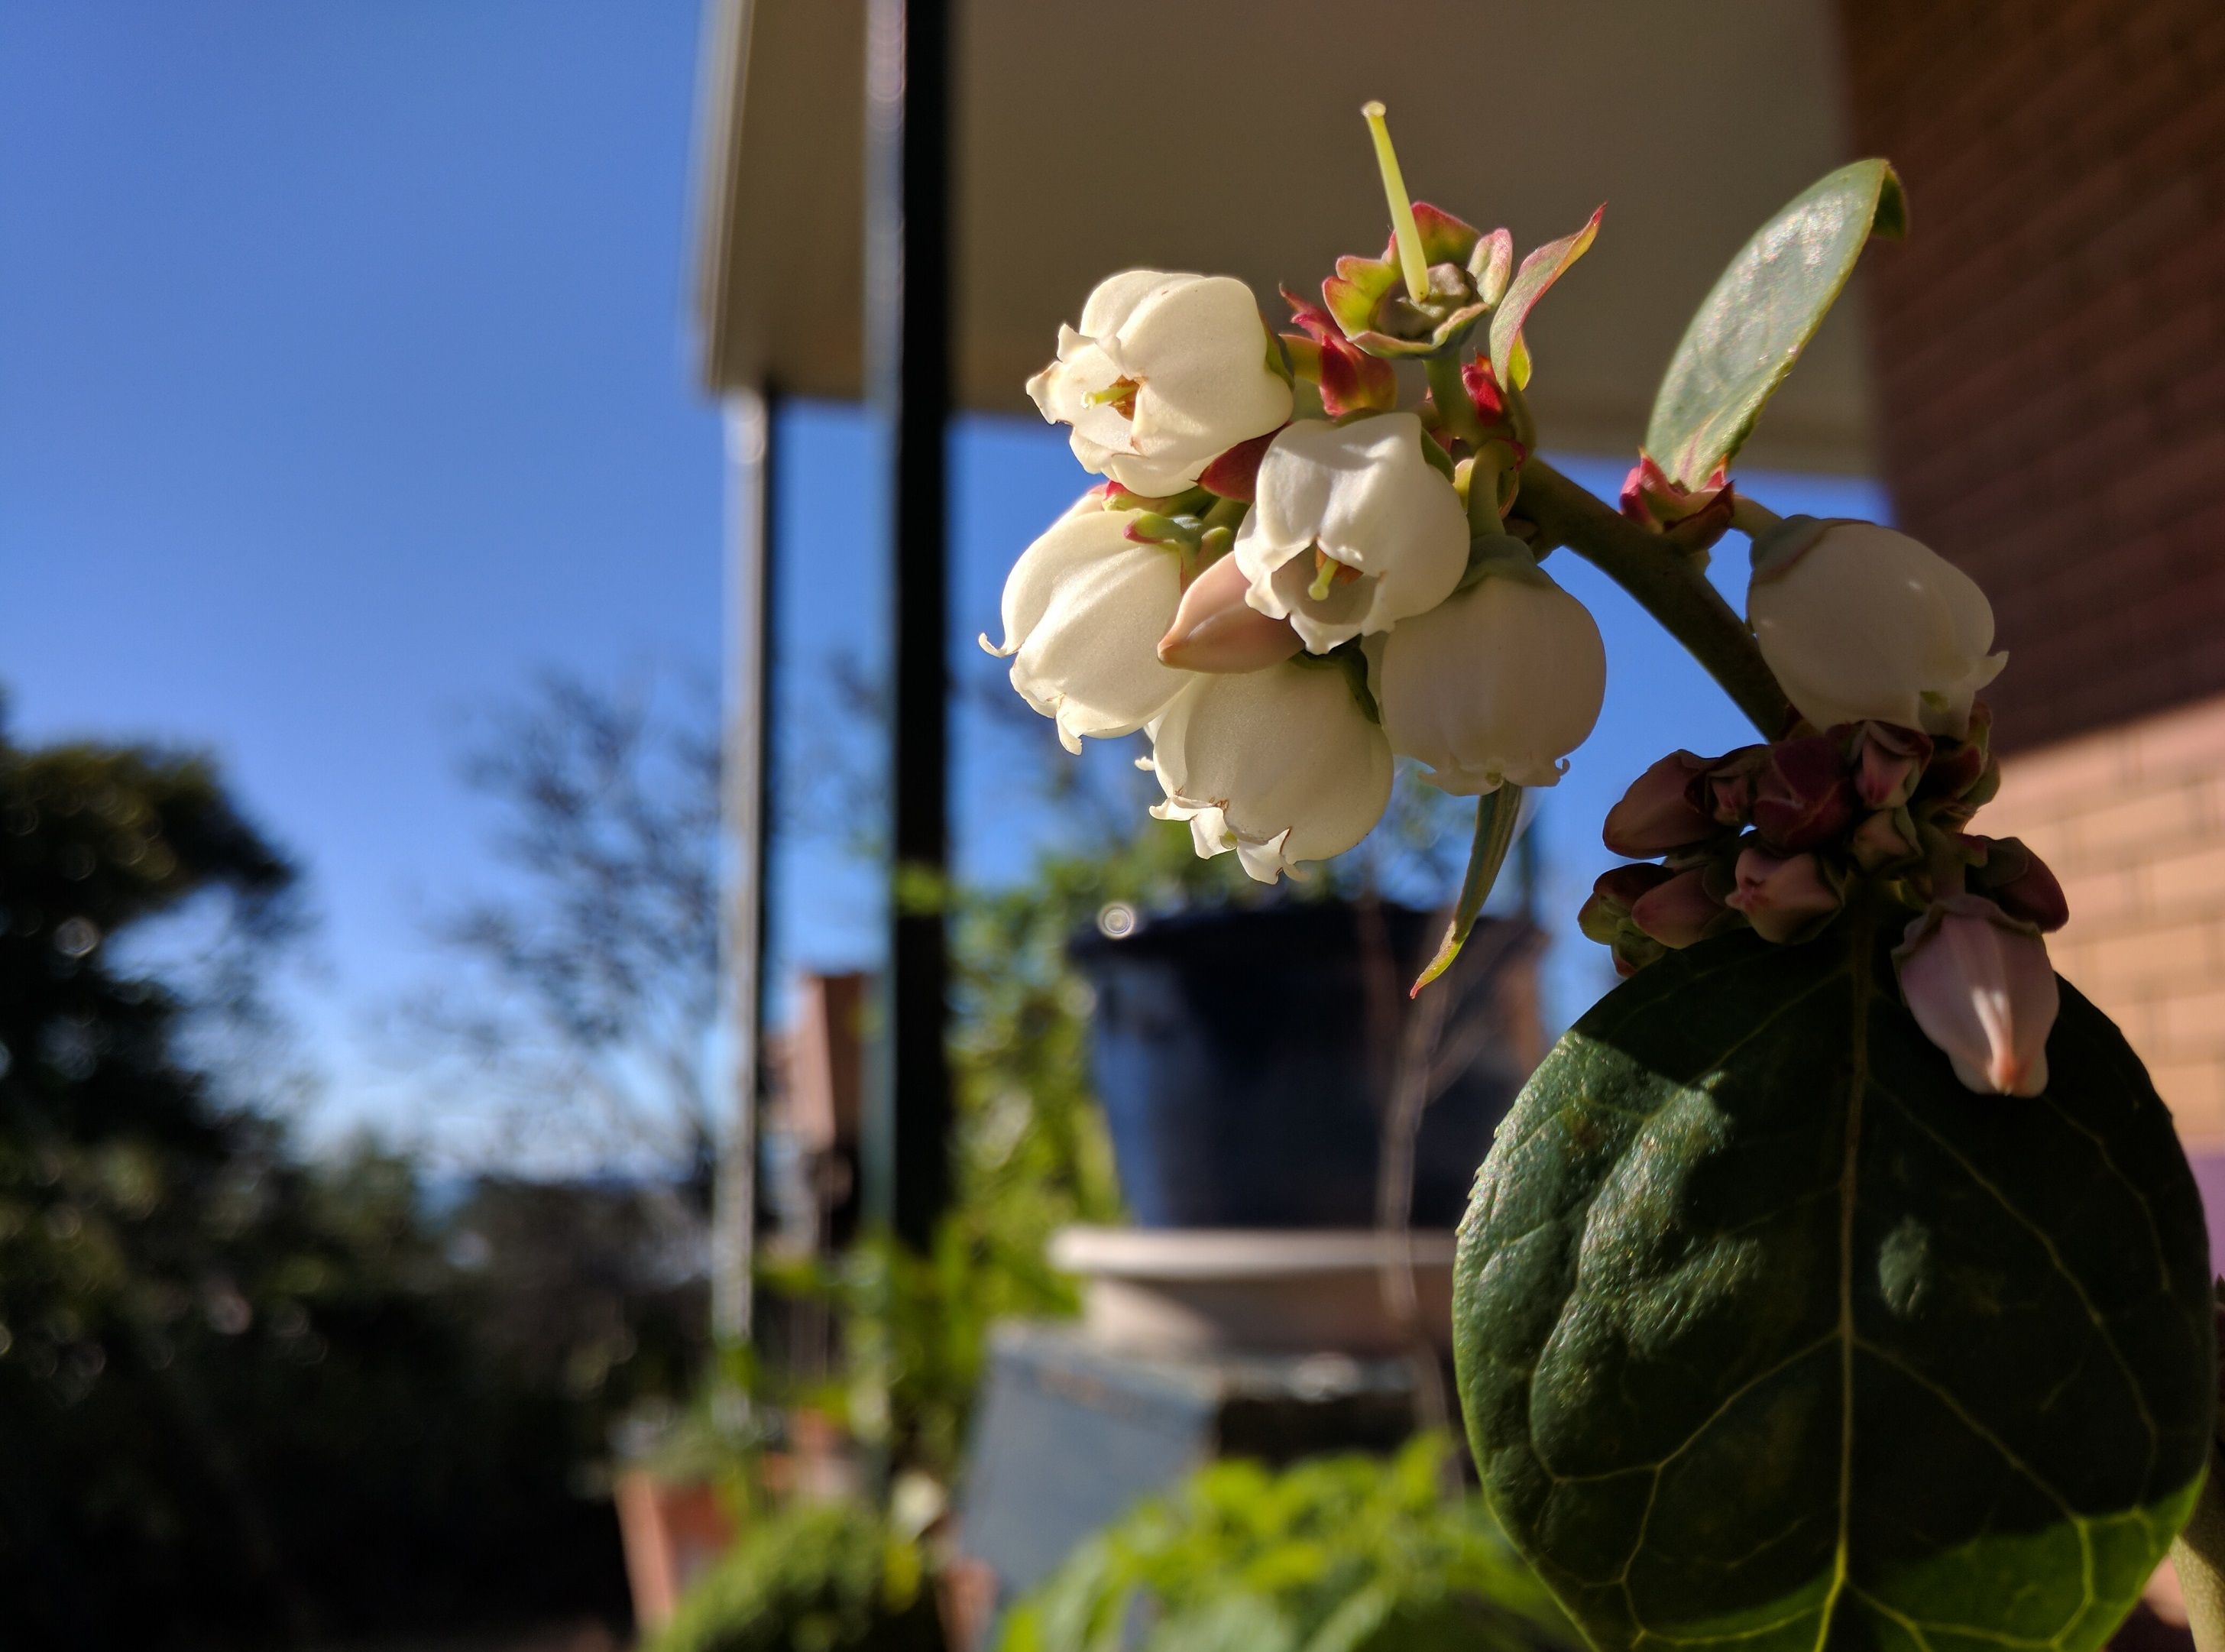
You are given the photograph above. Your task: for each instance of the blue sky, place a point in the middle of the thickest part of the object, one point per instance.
(344, 382)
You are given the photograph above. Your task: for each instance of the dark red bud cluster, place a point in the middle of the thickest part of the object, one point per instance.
(1773, 836)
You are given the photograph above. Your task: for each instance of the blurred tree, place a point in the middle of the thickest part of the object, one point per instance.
(238, 1398)
(591, 987)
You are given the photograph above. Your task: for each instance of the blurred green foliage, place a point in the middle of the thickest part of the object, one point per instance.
(830, 1578)
(1030, 1153)
(1337, 1554)
(240, 1399)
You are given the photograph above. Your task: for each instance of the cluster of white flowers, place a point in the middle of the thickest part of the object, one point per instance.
(1282, 606)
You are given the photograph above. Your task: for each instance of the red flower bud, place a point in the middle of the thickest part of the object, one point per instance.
(1662, 811)
(1482, 387)
(1803, 796)
(1730, 785)
(1785, 898)
(1606, 915)
(1888, 763)
(1680, 911)
(2019, 882)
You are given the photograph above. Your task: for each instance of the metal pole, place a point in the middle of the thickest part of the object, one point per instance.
(746, 776)
(908, 339)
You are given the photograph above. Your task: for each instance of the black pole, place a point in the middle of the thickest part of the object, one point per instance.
(908, 339)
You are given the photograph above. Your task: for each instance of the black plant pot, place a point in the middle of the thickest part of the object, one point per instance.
(1230, 1052)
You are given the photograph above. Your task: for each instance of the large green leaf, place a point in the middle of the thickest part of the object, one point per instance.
(1770, 1333)
(1766, 305)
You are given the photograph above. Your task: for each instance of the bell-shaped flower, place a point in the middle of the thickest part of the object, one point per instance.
(1861, 623)
(1662, 810)
(1216, 629)
(1784, 898)
(1498, 683)
(1981, 987)
(1352, 529)
(1281, 765)
(1165, 373)
(1084, 609)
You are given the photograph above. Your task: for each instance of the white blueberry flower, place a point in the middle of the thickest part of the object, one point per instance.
(1351, 531)
(1084, 609)
(1281, 765)
(1498, 683)
(1166, 373)
(1861, 623)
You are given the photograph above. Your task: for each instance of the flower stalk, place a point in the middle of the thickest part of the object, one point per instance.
(1669, 586)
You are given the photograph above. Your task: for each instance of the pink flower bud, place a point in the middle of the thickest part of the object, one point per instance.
(2020, 884)
(1785, 898)
(1981, 987)
(1888, 762)
(1662, 810)
(1802, 796)
(1215, 630)
(1680, 911)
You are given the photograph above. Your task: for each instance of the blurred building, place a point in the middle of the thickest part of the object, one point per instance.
(2050, 351)
(2037, 374)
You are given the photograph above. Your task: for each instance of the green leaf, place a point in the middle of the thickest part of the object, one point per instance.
(1540, 271)
(1497, 814)
(1764, 308)
(1769, 1332)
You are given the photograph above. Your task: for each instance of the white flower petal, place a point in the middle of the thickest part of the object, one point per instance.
(1084, 609)
(1281, 761)
(1363, 495)
(1191, 351)
(1498, 683)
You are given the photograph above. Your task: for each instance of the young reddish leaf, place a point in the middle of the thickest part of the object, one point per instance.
(1492, 265)
(1540, 271)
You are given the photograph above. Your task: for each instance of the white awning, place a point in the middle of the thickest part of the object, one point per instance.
(1224, 136)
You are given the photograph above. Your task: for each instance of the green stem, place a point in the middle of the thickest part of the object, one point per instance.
(1665, 582)
(1447, 391)
(2198, 1556)
(1751, 518)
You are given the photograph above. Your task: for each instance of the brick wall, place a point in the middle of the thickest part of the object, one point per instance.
(2133, 821)
(2051, 340)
